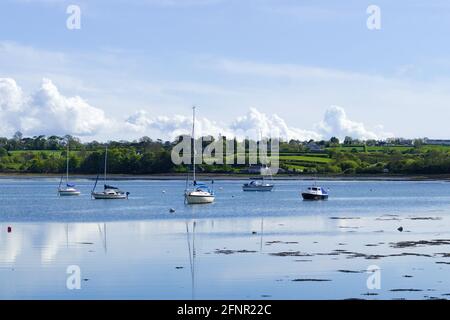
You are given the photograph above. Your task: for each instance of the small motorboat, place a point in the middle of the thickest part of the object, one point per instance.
(257, 185)
(315, 193)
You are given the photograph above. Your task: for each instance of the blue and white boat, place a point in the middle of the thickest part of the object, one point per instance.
(257, 185)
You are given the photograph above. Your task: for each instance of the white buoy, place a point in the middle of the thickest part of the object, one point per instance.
(164, 191)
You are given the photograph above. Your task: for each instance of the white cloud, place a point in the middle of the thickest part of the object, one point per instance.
(12, 101)
(11, 96)
(253, 124)
(172, 127)
(47, 111)
(336, 123)
(292, 71)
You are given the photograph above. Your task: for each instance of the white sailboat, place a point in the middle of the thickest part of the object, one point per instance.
(69, 189)
(109, 192)
(199, 193)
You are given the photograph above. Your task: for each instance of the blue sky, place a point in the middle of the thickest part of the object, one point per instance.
(148, 61)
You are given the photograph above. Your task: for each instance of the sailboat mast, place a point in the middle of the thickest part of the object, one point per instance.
(193, 137)
(106, 160)
(67, 164)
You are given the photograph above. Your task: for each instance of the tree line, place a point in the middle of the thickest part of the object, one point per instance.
(47, 154)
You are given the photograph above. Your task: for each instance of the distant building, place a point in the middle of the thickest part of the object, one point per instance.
(258, 169)
(314, 147)
(400, 141)
(437, 142)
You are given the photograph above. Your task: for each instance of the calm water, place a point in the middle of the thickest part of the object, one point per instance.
(244, 246)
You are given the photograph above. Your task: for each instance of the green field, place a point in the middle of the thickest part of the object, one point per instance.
(342, 159)
(312, 159)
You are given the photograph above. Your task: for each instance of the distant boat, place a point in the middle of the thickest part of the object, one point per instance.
(109, 192)
(69, 189)
(315, 193)
(199, 193)
(257, 185)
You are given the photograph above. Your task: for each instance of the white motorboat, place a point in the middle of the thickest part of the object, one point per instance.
(109, 192)
(69, 189)
(315, 193)
(199, 193)
(257, 185)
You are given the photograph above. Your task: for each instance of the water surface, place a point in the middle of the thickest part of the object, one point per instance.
(244, 246)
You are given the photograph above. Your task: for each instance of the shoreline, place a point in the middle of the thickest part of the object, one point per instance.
(206, 176)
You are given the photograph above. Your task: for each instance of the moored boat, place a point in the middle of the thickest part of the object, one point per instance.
(257, 185)
(69, 189)
(199, 193)
(109, 192)
(315, 193)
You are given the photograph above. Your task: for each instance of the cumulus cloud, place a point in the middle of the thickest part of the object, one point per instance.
(12, 102)
(47, 111)
(253, 124)
(335, 123)
(172, 127)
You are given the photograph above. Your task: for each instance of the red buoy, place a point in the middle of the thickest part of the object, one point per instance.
(9, 229)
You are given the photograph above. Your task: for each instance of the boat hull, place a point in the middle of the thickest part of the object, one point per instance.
(199, 199)
(65, 193)
(105, 196)
(310, 196)
(257, 188)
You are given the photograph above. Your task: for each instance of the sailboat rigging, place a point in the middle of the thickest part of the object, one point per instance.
(69, 189)
(109, 192)
(200, 192)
